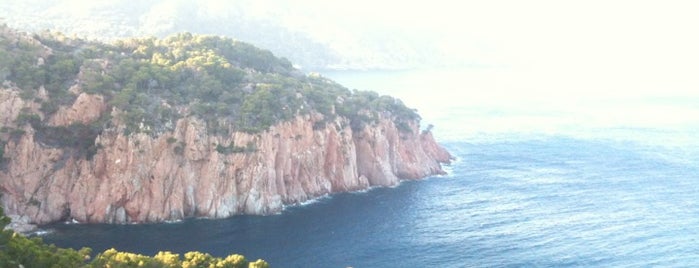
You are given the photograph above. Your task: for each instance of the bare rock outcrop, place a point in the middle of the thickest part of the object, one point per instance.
(86, 108)
(185, 173)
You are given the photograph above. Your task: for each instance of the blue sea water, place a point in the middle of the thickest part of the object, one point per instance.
(569, 187)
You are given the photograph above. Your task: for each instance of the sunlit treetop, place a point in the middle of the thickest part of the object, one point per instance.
(230, 85)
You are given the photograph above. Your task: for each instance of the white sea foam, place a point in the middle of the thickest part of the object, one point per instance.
(315, 200)
(308, 202)
(42, 232)
(72, 221)
(365, 190)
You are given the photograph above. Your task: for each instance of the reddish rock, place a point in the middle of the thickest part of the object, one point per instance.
(85, 109)
(139, 178)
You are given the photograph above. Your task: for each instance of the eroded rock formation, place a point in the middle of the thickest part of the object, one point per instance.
(183, 173)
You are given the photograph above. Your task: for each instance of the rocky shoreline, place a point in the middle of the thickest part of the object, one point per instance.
(21, 224)
(140, 178)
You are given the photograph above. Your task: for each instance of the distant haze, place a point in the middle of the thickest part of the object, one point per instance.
(584, 47)
(312, 34)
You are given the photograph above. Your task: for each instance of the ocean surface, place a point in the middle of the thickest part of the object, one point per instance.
(542, 178)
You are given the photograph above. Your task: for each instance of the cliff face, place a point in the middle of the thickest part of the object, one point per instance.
(140, 178)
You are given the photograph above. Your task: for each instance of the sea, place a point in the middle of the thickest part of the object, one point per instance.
(547, 172)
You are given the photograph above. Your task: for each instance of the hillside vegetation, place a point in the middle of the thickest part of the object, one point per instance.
(149, 83)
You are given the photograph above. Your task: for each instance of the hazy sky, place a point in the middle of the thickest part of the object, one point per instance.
(590, 62)
(611, 36)
(589, 58)
(650, 42)
(644, 45)
(602, 34)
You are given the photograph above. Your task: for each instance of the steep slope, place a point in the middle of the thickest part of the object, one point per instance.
(101, 133)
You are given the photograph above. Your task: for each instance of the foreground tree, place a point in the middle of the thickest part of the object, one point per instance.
(17, 250)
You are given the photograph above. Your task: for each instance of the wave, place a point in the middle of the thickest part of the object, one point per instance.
(41, 232)
(305, 203)
(314, 200)
(71, 221)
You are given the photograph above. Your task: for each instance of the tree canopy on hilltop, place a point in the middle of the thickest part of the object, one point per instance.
(230, 85)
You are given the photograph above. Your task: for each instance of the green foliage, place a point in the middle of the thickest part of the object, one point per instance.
(250, 147)
(230, 85)
(403, 126)
(4, 221)
(77, 136)
(205, 70)
(19, 251)
(26, 117)
(2, 152)
(179, 148)
(61, 69)
(265, 107)
(16, 133)
(16, 250)
(365, 107)
(114, 258)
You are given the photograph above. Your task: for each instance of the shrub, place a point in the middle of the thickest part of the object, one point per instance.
(20, 251)
(178, 149)
(250, 147)
(77, 136)
(16, 133)
(26, 117)
(230, 85)
(2, 152)
(402, 126)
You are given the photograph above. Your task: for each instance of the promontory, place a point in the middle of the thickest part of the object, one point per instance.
(152, 130)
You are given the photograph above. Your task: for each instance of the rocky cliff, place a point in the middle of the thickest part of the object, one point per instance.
(188, 172)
